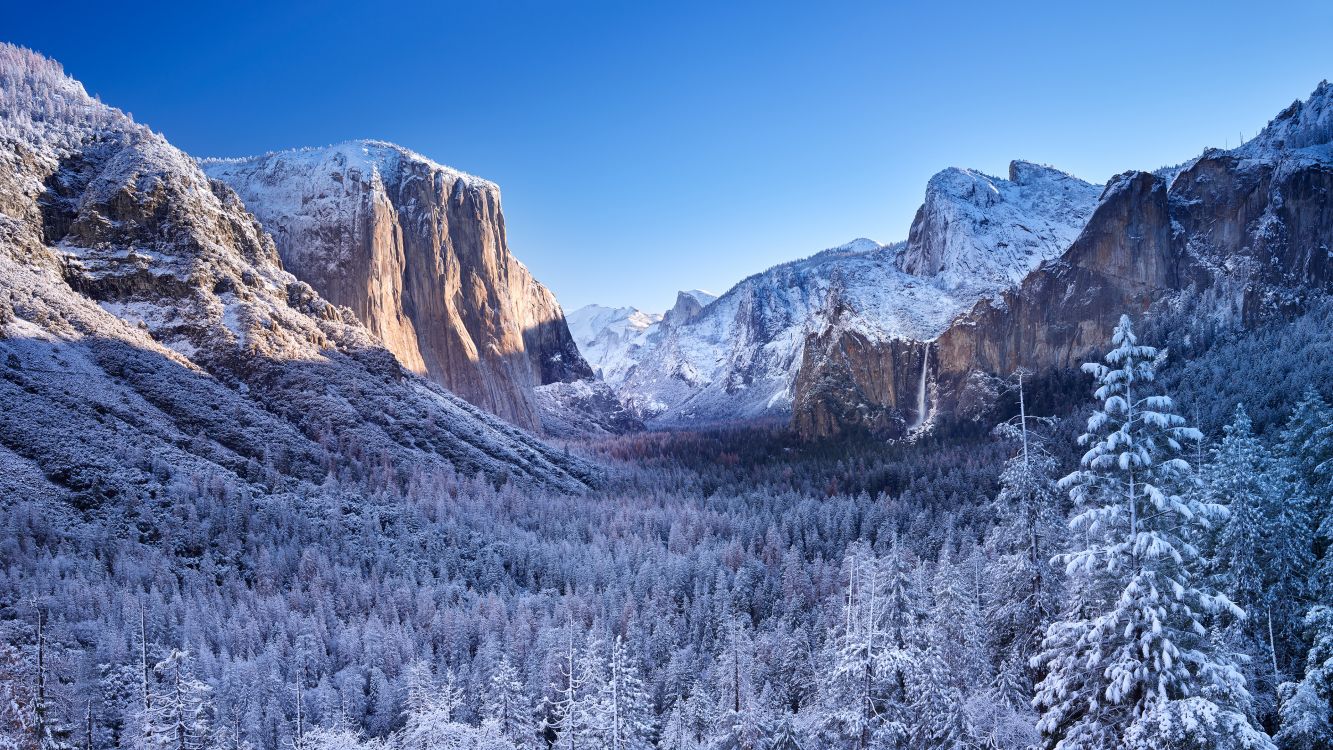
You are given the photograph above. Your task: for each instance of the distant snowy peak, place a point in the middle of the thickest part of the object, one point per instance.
(976, 230)
(688, 306)
(605, 335)
(590, 321)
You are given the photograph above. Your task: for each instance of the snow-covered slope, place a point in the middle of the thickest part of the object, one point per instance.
(980, 232)
(737, 356)
(606, 335)
(148, 331)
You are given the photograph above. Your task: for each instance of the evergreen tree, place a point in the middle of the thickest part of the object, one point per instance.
(1263, 552)
(1307, 463)
(741, 722)
(572, 714)
(430, 721)
(864, 694)
(676, 731)
(1025, 590)
(1307, 706)
(1132, 651)
(181, 709)
(507, 705)
(627, 708)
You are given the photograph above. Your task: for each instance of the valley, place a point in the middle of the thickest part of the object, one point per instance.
(297, 454)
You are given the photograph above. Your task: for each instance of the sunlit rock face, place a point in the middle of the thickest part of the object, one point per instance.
(1233, 235)
(149, 332)
(418, 252)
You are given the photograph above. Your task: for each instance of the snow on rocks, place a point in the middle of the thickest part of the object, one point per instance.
(738, 356)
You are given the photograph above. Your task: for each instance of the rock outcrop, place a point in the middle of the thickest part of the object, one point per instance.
(418, 252)
(1233, 234)
(759, 351)
(148, 331)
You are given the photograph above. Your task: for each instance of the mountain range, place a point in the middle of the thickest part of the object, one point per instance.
(997, 274)
(358, 305)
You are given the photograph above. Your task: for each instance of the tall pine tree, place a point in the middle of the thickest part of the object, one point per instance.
(1132, 653)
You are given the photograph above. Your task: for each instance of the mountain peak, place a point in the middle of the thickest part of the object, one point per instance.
(1302, 124)
(975, 229)
(365, 155)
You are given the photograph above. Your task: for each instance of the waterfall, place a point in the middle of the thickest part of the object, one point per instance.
(921, 389)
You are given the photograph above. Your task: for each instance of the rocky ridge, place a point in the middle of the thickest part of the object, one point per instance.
(741, 356)
(1234, 235)
(150, 335)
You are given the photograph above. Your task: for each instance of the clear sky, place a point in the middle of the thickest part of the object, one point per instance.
(648, 147)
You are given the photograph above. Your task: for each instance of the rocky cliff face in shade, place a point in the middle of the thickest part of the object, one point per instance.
(148, 330)
(1231, 233)
(418, 252)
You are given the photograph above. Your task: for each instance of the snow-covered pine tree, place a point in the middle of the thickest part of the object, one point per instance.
(676, 732)
(429, 715)
(1262, 554)
(741, 722)
(863, 696)
(1307, 706)
(851, 690)
(571, 711)
(784, 737)
(953, 660)
(507, 705)
(1307, 461)
(701, 712)
(1025, 590)
(180, 717)
(1131, 654)
(627, 707)
(17, 688)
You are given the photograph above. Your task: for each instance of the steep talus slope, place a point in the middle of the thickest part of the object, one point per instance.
(1232, 234)
(149, 333)
(418, 252)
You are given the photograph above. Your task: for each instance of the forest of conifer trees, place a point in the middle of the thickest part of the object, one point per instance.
(1102, 570)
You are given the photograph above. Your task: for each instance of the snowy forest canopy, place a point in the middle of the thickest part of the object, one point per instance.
(1122, 571)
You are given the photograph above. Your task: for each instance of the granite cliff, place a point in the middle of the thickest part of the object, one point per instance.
(150, 336)
(418, 252)
(1234, 234)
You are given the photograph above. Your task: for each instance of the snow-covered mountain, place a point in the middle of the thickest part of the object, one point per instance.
(1231, 237)
(610, 337)
(418, 251)
(983, 232)
(149, 334)
(605, 335)
(737, 357)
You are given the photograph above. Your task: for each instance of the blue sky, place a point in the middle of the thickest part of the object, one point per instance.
(648, 147)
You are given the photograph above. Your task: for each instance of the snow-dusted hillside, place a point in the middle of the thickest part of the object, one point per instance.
(148, 330)
(738, 356)
(606, 335)
(975, 231)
